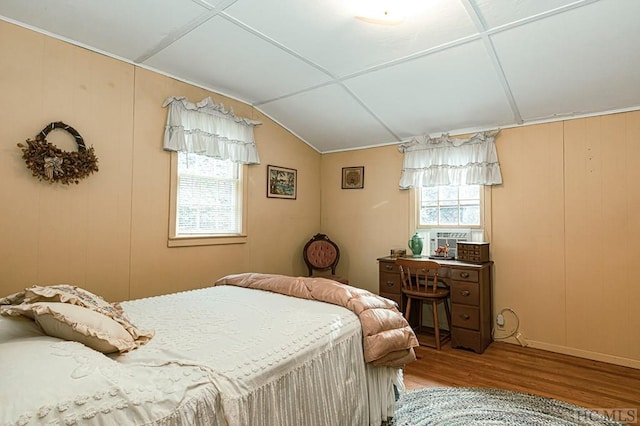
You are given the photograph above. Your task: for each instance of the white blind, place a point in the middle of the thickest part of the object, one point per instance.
(208, 196)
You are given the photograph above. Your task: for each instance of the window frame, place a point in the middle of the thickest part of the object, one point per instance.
(175, 240)
(485, 214)
(448, 226)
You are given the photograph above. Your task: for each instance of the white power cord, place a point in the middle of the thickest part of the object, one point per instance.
(500, 321)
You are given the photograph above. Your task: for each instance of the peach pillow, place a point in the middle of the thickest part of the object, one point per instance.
(80, 324)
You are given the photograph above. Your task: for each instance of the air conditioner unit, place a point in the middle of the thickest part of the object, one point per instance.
(440, 237)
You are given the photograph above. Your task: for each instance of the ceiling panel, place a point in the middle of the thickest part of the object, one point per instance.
(340, 83)
(330, 117)
(582, 61)
(328, 34)
(123, 28)
(501, 12)
(433, 93)
(236, 63)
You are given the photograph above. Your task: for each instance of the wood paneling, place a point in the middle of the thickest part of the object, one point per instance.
(564, 226)
(527, 242)
(602, 210)
(77, 234)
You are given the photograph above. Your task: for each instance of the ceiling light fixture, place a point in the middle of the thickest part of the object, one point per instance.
(381, 12)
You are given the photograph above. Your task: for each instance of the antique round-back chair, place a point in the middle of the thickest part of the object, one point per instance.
(322, 255)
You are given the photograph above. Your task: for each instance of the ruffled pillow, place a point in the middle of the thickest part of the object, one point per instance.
(75, 323)
(22, 303)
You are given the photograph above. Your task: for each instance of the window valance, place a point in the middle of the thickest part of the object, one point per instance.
(207, 128)
(449, 161)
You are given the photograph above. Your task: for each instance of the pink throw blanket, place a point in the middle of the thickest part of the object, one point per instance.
(388, 337)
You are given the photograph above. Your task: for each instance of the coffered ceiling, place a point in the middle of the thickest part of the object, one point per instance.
(340, 83)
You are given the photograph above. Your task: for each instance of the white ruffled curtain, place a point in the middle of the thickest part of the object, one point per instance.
(450, 161)
(208, 129)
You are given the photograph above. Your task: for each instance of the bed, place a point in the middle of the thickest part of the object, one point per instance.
(223, 355)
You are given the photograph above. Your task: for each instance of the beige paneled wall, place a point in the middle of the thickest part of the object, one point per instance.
(281, 227)
(109, 233)
(602, 230)
(56, 233)
(366, 223)
(527, 243)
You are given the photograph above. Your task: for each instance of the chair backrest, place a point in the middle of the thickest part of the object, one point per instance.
(320, 253)
(418, 275)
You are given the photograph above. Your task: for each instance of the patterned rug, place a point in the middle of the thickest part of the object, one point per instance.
(452, 406)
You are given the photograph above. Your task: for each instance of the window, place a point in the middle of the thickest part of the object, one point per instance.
(448, 214)
(447, 206)
(207, 201)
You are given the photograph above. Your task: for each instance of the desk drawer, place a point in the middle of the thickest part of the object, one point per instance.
(464, 275)
(390, 283)
(389, 267)
(465, 293)
(470, 339)
(465, 317)
(444, 272)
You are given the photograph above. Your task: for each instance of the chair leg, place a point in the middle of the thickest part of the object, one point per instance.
(407, 312)
(436, 323)
(447, 310)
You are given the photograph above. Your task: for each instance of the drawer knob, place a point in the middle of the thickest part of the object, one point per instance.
(388, 267)
(465, 292)
(390, 283)
(465, 316)
(464, 274)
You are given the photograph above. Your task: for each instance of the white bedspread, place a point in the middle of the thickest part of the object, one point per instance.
(275, 359)
(48, 381)
(220, 356)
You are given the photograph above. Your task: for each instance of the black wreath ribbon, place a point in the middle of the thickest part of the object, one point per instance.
(50, 163)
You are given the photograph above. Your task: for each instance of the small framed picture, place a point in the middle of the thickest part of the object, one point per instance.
(353, 177)
(281, 182)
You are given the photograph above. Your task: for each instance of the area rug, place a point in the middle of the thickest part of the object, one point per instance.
(453, 406)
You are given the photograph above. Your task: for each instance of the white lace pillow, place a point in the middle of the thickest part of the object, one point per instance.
(76, 323)
(20, 304)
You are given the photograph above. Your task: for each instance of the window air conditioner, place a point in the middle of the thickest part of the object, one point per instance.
(440, 237)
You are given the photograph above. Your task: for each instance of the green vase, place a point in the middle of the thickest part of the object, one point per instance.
(415, 244)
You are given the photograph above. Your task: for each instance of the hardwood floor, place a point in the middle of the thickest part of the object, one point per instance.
(578, 381)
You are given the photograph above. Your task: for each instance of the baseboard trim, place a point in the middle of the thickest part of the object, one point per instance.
(595, 356)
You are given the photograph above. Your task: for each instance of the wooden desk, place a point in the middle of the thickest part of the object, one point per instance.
(470, 286)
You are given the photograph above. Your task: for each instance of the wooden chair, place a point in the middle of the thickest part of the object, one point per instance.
(420, 282)
(321, 254)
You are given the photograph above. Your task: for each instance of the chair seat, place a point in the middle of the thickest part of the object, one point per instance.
(439, 293)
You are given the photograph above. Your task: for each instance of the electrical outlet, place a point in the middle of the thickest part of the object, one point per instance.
(500, 320)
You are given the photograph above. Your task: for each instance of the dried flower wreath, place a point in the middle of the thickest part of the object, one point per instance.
(50, 163)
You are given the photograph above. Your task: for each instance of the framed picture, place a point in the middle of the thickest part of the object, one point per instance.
(281, 182)
(353, 177)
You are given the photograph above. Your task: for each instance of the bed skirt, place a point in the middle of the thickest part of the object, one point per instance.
(353, 393)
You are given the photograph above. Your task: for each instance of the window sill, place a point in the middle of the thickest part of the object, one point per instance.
(206, 240)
